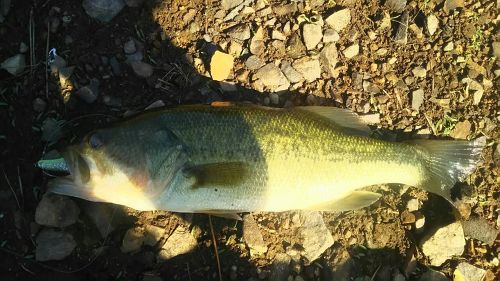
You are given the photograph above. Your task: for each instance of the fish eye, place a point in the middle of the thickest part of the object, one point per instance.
(95, 141)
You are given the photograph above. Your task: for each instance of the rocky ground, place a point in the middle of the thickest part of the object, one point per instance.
(412, 69)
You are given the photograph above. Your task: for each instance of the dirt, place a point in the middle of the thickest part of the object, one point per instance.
(371, 243)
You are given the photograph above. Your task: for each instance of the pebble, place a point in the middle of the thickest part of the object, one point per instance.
(101, 215)
(253, 236)
(432, 24)
(461, 130)
(351, 51)
(419, 72)
(401, 36)
(339, 20)
(235, 48)
(240, 32)
(314, 235)
(180, 242)
(155, 104)
(129, 47)
(39, 105)
(115, 66)
(57, 211)
(286, 9)
(371, 118)
(420, 220)
(331, 35)
(496, 49)
(280, 268)
(254, 62)
(396, 6)
(132, 240)
(291, 74)
(308, 67)
(446, 242)
(468, 272)
(53, 245)
(271, 77)
(153, 234)
(15, 64)
(257, 46)
(417, 99)
(480, 229)
(413, 205)
(450, 5)
(142, 69)
(449, 47)
(407, 217)
(276, 35)
(23, 48)
(432, 275)
(89, 93)
(229, 4)
(312, 35)
(103, 10)
(275, 98)
(328, 58)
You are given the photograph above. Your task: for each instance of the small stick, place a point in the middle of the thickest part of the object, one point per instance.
(11, 189)
(47, 62)
(20, 185)
(215, 247)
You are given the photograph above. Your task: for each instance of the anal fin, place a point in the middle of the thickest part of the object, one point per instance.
(353, 201)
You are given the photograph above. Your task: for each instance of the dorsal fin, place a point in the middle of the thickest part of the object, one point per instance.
(344, 118)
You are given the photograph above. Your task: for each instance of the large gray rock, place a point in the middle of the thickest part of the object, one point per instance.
(53, 245)
(253, 236)
(446, 242)
(103, 10)
(481, 230)
(308, 67)
(57, 211)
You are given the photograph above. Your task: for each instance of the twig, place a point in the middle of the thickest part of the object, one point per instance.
(375, 273)
(215, 247)
(433, 128)
(11, 189)
(189, 272)
(31, 29)
(20, 185)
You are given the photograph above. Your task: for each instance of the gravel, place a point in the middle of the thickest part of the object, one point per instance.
(419, 72)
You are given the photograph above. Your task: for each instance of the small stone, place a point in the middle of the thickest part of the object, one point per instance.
(39, 105)
(275, 98)
(271, 77)
(15, 64)
(179, 243)
(331, 35)
(462, 130)
(295, 47)
(53, 245)
(103, 10)
(142, 69)
(276, 35)
(101, 215)
(314, 235)
(413, 205)
(89, 93)
(309, 68)
(407, 217)
(280, 268)
(417, 99)
(155, 104)
(420, 220)
(312, 35)
(397, 6)
(23, 48)
(432, 275)
(449, 47)
(468, 272)
(450, 5)
(132, 240)
(257, 45)
(134, 3)
(339, 20)
(432, 24)
(254, 62)
(153, 234)
(235, 48)
(189, 16)
(286, 9)
(446, 242)
(253, 236)
(496, 49)
(229, 4)
(401, 36)
(480, 229)
(57, 211)
(129, 47)
(371, 118)
(221, 66)
(351, 51)
(240, 32)
(419, 72)
(328, 58)
(291, 74)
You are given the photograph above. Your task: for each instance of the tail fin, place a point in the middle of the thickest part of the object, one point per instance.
(448, 162)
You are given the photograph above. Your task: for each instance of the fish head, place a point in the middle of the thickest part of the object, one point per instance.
(126, 165)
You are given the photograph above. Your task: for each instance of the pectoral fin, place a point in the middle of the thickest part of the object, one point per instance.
(227, 174)
(355, 200)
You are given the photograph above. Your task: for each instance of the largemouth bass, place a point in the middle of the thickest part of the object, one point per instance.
(230, 159)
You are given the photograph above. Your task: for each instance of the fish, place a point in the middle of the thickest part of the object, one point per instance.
(232, 159)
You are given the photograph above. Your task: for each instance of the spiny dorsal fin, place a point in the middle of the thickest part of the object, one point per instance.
(228, 174)
(344, 118)
(355, 200)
